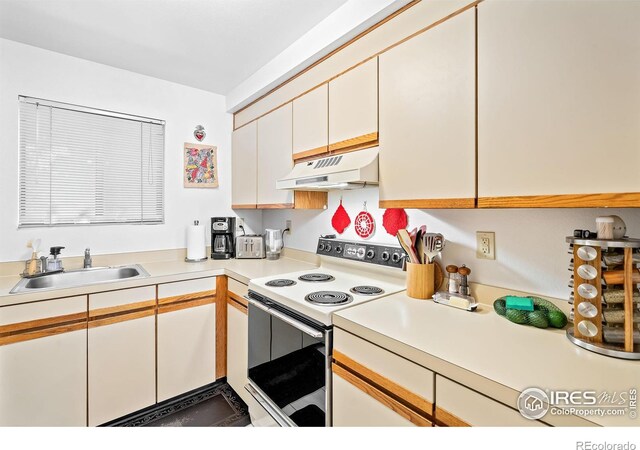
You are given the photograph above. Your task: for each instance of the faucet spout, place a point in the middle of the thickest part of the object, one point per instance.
(87, 258)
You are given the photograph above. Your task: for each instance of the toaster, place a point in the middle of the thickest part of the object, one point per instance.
(250, 246)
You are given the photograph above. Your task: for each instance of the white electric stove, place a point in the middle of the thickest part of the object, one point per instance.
(290, 325)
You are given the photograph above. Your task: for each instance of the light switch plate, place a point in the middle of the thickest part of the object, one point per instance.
(485, 245)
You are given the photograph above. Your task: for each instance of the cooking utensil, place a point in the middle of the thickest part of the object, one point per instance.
(405, 242)
(433, 245)
(419, 245)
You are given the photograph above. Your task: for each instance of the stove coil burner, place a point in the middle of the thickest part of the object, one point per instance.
(329, 298)
(316, 277)
(280, 283)
(366, 290)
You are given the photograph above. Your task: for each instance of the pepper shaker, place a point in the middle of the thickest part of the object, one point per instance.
(464, 272)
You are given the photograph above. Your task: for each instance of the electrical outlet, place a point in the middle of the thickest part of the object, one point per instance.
(288, 225)
(485, 245)
(240, 222)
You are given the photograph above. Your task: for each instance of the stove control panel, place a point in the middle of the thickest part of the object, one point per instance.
(383, 255)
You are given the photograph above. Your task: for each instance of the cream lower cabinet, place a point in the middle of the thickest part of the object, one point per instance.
(457, 405)
(353, 108)
(275, 157)
(121, 352)
(427, 119)
(244, 167)
(43, 366)
(558, 104)
(374, 387)
(237, 338)
(186, 336)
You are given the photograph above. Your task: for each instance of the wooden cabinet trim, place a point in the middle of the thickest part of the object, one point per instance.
(121, 309)
(247, 206)
(222, 292)
(355, 143)
(619, 200)
(163, 309)
(311, 154)
(445, 418)
(123, 317)
(186, 297)
(310, 200)
(237, 301)
(436, 203)
(13, 338)
(381, 396)
(385, 385)
(275, 206)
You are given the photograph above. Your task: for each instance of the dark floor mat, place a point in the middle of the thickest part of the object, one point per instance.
(215, 405)
(291, 376)
(309, 416)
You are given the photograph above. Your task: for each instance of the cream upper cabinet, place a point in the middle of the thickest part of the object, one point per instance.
(311, 123)
(427, 118)
(353, 107)
(274, 157)
(122, 377)
(244, 165)
(43, 365)
(558, 103)
(186, 336)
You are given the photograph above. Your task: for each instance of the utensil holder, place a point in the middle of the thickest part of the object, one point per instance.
(420, 280)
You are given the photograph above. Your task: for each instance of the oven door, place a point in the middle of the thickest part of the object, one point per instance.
(289, 367)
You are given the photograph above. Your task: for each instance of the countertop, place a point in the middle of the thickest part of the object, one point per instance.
(163, 272)
(488, 353)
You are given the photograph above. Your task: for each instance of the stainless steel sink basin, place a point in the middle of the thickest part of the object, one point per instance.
(75, 278)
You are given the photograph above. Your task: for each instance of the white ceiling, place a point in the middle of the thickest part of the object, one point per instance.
(208, 44)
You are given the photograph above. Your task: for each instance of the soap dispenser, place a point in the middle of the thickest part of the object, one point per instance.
(54, 264)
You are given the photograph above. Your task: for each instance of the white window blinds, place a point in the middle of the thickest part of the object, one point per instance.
(87, 166)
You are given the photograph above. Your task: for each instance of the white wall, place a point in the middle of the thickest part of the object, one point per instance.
(531, 252)
(26, 70)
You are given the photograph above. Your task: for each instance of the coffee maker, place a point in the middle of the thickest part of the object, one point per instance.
(223, 233)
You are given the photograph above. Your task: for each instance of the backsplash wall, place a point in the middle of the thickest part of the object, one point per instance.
(27, 70)
(531, 252)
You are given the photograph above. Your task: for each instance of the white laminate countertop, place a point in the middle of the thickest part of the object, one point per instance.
(163, 272)
(488, 353)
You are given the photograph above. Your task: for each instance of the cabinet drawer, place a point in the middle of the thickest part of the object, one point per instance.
(43, 310)
(238, 288)
(122, 297)
(405, 379)
(180, 288)
(457, 405)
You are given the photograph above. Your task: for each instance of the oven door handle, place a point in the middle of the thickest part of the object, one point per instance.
(291, 321)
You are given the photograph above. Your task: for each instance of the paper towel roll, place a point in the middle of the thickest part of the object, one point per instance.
(196, 247)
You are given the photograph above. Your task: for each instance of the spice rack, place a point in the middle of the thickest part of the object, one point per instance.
(605, 296)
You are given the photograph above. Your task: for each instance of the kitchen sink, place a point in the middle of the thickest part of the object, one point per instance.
(83, 277)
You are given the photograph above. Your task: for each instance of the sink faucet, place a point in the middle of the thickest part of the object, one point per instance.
(87, 258)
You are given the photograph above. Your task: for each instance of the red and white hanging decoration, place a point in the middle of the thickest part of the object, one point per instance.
(364, 223)
(340, 220)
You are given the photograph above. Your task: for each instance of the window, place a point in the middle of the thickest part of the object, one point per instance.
(88, 166)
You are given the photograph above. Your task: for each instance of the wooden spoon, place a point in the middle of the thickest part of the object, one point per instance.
(405, 242)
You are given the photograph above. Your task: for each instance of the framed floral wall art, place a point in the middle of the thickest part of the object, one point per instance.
(200, 165)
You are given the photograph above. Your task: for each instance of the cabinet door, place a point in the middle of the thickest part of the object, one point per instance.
(237, 348)
(353, 108)
(244, 164)
(186, 336)
(558, 102)
(353, 407)
(427, 119)
(274, 157)
(121, 352)
(43, 367)
(311, 123)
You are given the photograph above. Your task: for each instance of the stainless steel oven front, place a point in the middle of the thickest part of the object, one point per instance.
(289, 366)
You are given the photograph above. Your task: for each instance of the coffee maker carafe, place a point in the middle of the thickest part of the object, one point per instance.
(223, 232)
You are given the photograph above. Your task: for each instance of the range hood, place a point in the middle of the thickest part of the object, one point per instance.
(347, 171)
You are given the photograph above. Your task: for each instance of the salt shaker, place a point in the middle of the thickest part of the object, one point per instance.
(452, 284)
